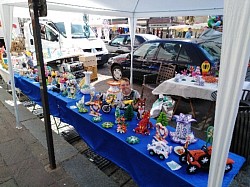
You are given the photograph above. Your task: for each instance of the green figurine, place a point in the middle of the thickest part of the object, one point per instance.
(163, 119)
(129, 113)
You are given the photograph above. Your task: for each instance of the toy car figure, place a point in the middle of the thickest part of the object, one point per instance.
(200, 159)
(159, 148)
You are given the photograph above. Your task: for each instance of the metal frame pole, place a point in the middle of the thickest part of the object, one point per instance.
(34, 6)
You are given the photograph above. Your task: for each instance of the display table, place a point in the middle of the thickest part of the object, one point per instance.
(188, 89)
(146, 170)
(32, 89)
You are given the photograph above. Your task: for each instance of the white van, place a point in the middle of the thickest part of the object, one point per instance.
(64, 36)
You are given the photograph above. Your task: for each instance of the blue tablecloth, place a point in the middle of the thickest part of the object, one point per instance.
(146, 170)
(32, 89)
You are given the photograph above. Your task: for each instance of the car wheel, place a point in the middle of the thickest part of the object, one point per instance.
(192, 169)
(161, 156)
(117, 73)
(151, 152)
(228, 167)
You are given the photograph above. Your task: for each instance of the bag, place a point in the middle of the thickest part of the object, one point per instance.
(163, 104)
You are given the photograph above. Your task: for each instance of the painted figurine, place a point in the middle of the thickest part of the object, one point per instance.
(159, 148)
(183, 129)
(144, 125)
(161, 132)
(141, 108)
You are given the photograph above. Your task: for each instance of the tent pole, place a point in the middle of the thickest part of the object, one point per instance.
(37, 8)
(7, 14)
(132, 27)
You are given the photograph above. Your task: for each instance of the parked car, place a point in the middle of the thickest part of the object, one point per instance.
(122, 44)
(148, 57)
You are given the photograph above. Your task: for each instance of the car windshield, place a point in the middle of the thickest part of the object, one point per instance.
(81, 31)
(146, 50)
(211, 49)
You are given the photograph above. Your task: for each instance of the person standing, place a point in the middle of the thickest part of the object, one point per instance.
(188, 33)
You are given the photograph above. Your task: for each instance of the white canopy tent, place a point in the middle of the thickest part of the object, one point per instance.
(234, 58)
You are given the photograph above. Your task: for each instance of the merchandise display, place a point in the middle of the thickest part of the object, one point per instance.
(183, 129)
(161, 132)
(91, 132)
(159, 148)
(107, 125)
(87, 88)
(144, 125)
(97, 119)
(133, 140)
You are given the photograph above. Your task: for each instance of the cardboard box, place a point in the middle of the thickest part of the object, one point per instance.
(87, 57)
(93, 69)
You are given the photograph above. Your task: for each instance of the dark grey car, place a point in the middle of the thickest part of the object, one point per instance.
(122, 43)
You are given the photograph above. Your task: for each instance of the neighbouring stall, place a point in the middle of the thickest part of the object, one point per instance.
(235, 56)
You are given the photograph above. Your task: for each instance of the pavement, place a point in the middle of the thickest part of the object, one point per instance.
(24, 155)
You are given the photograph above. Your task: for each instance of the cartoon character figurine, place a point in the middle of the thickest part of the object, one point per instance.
(95, 107)
(144, 125)
(141, 108)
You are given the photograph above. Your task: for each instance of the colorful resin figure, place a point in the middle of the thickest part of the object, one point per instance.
(159, 148)
(107, 125)
(161, 132)
(133, 140)
(162, 119)
(95, 108)
(117, 114)
(122, 125)
(81, 107)
(183, 129)
(97, 119)
(129, 113)
(141, 108)
(200, 159)
(144, 125)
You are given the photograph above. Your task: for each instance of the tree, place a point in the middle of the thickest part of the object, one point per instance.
(162, 119)
(129, 113)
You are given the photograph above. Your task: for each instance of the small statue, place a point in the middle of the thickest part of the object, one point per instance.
(122, 125)
(144, 125)
(81, 107)
(95, 107)
(161, 132)
(141, 108)
(117, 113)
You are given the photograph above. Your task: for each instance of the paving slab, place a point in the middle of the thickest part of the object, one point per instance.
(9, 183)
(29, 172)
(86, 174)
(14, 151)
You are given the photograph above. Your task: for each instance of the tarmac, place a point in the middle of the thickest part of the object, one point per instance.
(24, 158)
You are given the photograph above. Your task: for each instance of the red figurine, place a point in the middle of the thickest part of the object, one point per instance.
(144, 125)
(141, 108)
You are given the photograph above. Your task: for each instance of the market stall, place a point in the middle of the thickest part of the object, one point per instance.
(235, 52)
(106, 141)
